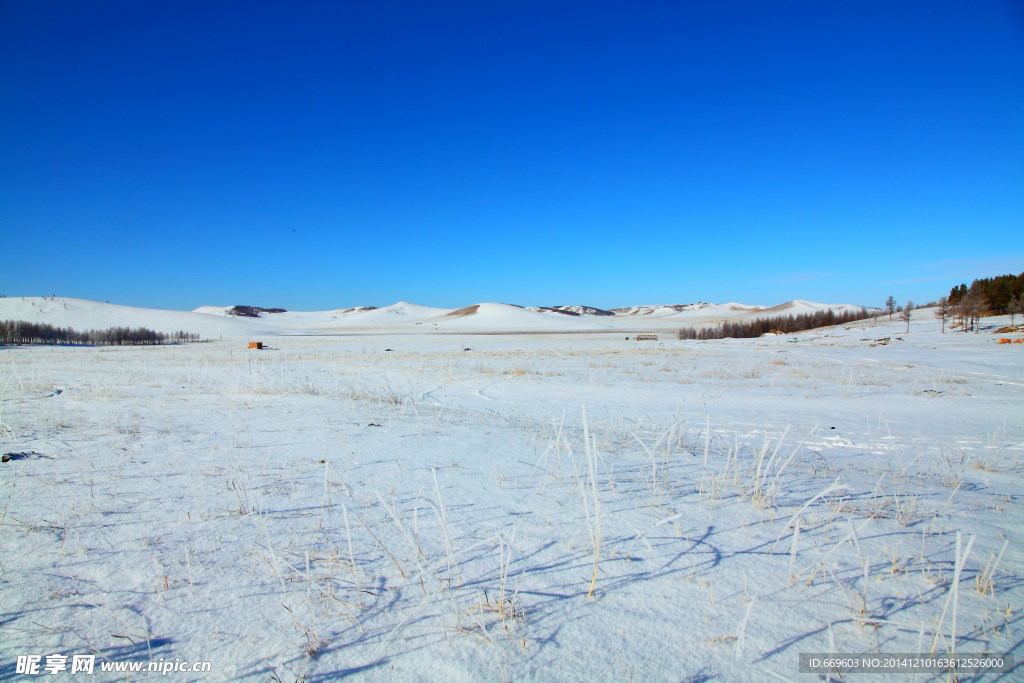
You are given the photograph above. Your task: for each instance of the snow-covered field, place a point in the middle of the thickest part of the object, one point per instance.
(398, 506)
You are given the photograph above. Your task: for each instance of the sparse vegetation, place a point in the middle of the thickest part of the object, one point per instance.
(380, 511)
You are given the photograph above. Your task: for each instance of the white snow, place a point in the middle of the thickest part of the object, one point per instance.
(494, 317)
(215, 321)
(392, 505)
(83, 315)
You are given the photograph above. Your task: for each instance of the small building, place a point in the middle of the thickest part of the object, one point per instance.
(647, 337)
(256, 345)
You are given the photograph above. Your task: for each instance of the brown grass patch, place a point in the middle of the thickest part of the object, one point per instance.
(462, 312)
(778, 308)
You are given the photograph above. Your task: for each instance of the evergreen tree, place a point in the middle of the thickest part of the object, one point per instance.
(784, 324)
(996, 292)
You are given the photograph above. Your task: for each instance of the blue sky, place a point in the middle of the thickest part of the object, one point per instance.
(317, 155)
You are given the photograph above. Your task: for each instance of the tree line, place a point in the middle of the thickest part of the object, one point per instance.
(782, 324)
(988, 296)
(23, 332)
(996, 295)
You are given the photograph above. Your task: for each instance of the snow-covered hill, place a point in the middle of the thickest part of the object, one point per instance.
(658, 310)
(222, 321)
(573, 310)
(491, 316)
(82, 315)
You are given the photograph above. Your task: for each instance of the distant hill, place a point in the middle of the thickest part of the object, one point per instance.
(575, 310)
(83, 315)
(248, 321)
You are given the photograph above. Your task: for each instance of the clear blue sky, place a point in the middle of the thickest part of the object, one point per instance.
(317, 155)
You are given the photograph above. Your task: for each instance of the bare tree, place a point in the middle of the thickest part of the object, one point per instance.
(942, 311)
(956, 314)
(890, 303)
(971, 306)
(1015, 307)
(906, 313)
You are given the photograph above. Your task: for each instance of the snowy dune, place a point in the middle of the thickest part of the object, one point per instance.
(215, 321)
(433, 507)
(83, 315)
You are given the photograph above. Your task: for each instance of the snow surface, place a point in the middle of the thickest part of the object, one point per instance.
(216, 323)
(396, 506)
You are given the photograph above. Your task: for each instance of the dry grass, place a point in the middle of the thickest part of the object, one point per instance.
(463, 312)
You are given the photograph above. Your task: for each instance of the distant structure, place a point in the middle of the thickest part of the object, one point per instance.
(256, 345)
(647, 337)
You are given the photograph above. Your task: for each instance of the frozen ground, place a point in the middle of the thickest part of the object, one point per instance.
(432, 507)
